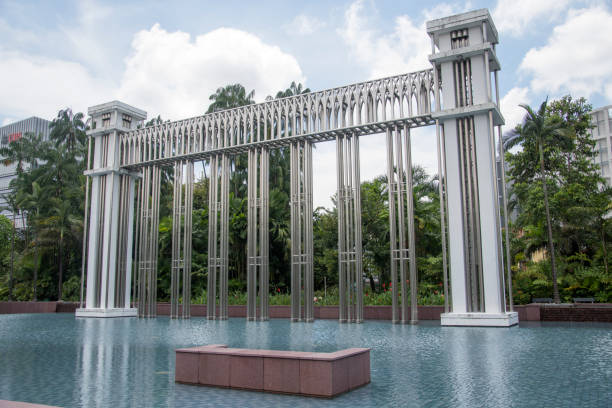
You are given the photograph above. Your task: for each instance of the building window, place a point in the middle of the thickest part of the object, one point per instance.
(127, 121)
(106, 119)
(459, 38)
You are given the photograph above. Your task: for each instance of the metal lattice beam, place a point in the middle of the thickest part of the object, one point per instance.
(356, 109)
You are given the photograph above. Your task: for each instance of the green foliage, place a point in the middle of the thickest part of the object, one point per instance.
(48, 195)
(556, 147)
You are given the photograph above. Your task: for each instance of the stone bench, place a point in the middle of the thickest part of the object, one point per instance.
(288, 372)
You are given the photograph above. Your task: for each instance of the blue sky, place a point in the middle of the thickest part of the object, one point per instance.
(168, 57)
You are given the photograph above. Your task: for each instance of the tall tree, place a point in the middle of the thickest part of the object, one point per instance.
(61, 225)
(538, 132)
(68, 129)
(230, 96)
(555, 180)
(33, 202)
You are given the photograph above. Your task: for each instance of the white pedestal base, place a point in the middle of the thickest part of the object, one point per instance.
(479, 319)
(119, 312)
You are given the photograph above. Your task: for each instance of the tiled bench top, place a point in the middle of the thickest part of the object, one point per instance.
(295, 355)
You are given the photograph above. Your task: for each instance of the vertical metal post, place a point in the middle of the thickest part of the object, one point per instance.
(401, 211)
(302, 278)
(442, 195)
(85, 225)
(251, 240)
(505, 204)
(414, 284)
(264, 234)
(187, 240)
(223, 306)
(212, 238)
(392, 187)
(342, 307)
(295, 280)
(349, 229)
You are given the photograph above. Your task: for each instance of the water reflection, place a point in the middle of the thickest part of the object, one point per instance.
(63, 361)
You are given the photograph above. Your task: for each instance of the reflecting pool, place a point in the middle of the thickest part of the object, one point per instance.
(129, 362)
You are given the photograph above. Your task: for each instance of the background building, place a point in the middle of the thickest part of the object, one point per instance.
(8, 134)
(602, 133)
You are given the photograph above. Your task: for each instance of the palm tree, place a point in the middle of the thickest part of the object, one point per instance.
(542, 132)
(33, 202)
(293, 90)
(230, 96)
(11, 206)
(69, 129)
(57, 228)
(16, 153)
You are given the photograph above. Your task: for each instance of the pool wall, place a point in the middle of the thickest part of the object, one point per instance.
(598, 312)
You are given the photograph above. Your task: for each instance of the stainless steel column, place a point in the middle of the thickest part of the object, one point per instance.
(181, 240)
(302, 277)
(349, 229)
(401, 225)
(176, 265)
(148, 242)
(187, 240)
(443, 233)
(213, 210)
(218, 231)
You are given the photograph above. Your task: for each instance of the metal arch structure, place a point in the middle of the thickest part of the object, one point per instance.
(455, 96)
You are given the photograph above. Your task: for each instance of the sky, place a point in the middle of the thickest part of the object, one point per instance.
(167, 58)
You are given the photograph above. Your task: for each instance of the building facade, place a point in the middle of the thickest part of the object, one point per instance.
(9, 134)
(602, 133)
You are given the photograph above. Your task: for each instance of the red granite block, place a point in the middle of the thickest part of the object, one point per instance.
(214, 369)
(359, 370)
(365, 358)
(186, 368)
(246, 372)
(16, 404)
(341, 372)
(281, 375)
(316, 378)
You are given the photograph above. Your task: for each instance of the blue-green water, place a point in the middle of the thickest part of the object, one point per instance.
(127, 362)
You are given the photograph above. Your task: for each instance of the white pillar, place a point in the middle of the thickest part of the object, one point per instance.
(465, 57)
(108, 122)
(455, 220)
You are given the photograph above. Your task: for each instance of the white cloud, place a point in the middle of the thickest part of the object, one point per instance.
(303, 25)
(577, 56)
(89, 38)
(510, 108)
(516, 16)
(7, 121)
(405, 49)
(33, 85)
(169, 74)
